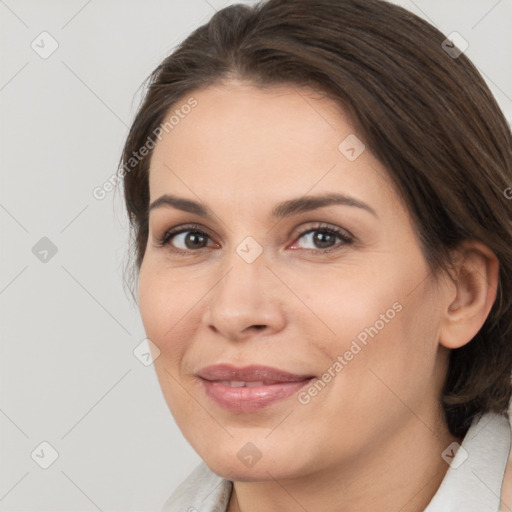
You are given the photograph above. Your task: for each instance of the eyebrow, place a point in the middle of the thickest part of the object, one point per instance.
(284, 209)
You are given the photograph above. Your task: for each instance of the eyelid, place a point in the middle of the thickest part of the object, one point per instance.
(319, 226)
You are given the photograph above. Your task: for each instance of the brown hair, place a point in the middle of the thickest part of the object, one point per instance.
(423, 111)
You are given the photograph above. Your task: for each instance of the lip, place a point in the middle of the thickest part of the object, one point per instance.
(269, 385)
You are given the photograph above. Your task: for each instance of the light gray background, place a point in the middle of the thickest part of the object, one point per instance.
(68, 328)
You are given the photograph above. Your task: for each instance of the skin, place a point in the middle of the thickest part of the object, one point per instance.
(506, 489)
(372, 438)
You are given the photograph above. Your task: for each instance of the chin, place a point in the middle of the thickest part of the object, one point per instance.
(234, 468)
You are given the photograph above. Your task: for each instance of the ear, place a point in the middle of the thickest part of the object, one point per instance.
(474, 281)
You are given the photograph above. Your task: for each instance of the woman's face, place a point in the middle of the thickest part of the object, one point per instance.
(334, 298)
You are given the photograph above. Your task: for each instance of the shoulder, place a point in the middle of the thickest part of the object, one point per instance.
(201, 491)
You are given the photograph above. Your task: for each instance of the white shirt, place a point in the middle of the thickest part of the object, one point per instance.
(471, 484)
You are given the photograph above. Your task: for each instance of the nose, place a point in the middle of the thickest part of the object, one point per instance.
(245, 302)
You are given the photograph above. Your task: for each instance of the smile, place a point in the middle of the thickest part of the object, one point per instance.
(249, 389)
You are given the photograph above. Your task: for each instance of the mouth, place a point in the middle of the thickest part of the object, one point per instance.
(251, 388)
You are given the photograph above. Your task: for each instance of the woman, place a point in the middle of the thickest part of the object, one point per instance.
(323, 247)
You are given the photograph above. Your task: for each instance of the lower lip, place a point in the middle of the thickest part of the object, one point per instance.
(250, 399)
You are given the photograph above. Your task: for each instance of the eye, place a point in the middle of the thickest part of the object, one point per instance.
(320, 238)
(185, 239)
(324, 238)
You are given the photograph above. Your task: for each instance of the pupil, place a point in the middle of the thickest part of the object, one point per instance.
(193, 240)
(323, 239)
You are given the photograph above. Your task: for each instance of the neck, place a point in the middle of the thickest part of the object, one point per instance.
(402, 475)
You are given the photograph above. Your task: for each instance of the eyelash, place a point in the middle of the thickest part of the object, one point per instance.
(346, 238)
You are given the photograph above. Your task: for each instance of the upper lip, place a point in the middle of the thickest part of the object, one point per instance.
(253, 373)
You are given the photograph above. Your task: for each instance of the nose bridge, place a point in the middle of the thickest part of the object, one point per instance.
(242, 297)
(244, 281)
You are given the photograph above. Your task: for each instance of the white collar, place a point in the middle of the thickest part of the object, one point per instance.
(475, 484)
(471, 484)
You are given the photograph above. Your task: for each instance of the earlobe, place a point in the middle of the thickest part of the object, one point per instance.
(475, 277)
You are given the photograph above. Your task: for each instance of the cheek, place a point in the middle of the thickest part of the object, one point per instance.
(379, 362)
(349, 302)
(382, 317)
(166, 307)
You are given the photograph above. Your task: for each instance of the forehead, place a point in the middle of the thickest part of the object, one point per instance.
(248, 144)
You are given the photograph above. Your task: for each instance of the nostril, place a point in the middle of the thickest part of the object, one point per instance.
(259, 326)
